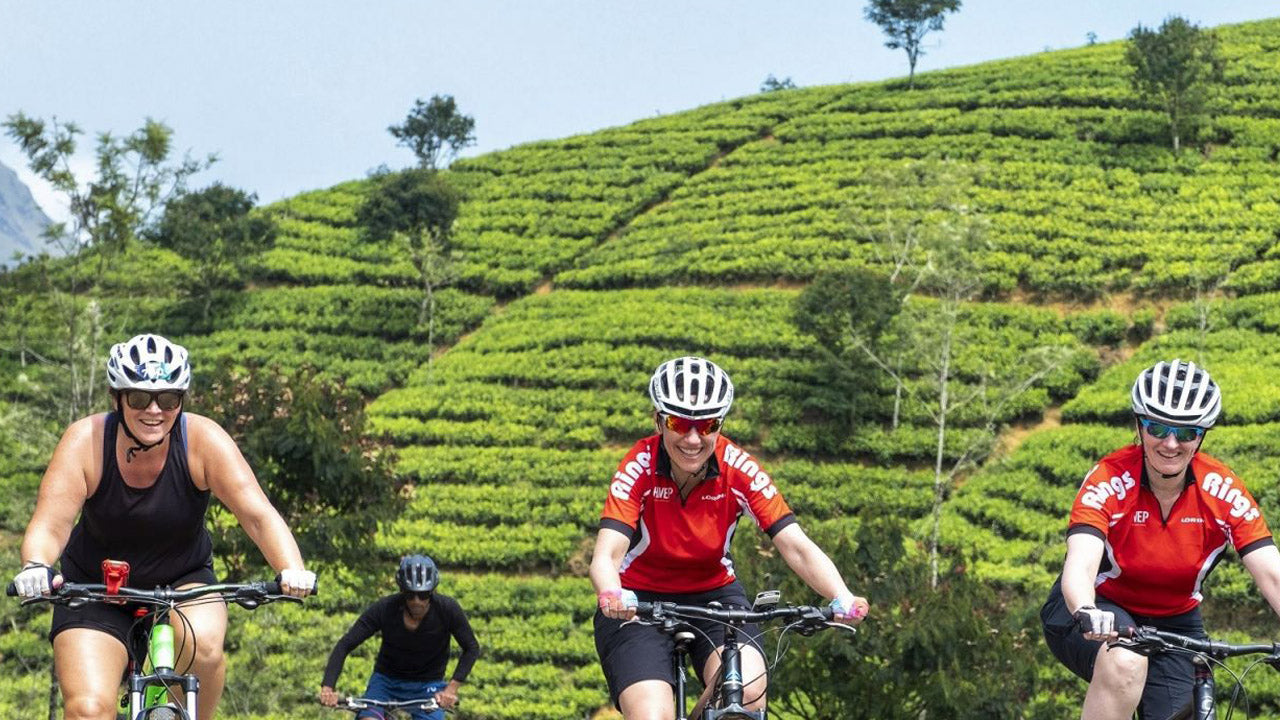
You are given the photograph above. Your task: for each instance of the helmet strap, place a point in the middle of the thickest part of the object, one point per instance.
(138, 445)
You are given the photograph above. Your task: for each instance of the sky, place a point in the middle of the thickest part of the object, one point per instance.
(294, 96)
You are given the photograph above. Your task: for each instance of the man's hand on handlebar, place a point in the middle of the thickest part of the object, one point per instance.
(328, 696)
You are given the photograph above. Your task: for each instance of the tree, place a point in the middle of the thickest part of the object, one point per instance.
(133, 179)
(1178, 68)
(773, 84)
(304, 436)
(432, 126)
(933, 251)
(214, 229)
(906, 22)
(847, 312)
(416, 208)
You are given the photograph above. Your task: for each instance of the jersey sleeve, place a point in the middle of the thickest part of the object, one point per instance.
(1237, 509)
(755, 486)
(626, 491)
(1099, 499)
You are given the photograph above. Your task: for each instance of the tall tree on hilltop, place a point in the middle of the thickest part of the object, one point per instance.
(133, 179)
(416, 208)
(214, 229)
(906, 22)
(1177, 67)
(435, 131)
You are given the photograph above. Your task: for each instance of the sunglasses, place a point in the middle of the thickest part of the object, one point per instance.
(419, 595)
(681, 425)
(1160, 431)
(142, 399)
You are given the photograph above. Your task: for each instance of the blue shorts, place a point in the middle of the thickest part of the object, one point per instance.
(384, 687)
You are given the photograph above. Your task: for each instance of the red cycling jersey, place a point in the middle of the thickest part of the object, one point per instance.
(682, 546)
(1152, 565)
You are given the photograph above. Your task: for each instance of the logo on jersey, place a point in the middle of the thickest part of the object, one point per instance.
(1221, 488)
(625, 479)
(739, 459)
(1140, 517)
(1096, 495)
(1193, 520)
(663, 493)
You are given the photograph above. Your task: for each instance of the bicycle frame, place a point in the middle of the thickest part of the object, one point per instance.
(149, 692)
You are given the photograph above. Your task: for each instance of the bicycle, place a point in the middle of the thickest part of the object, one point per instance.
(153, 696)
(395, 708)
(1205, 654)
(726, 701)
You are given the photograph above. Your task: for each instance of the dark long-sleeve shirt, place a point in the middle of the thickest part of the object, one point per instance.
(419, 654)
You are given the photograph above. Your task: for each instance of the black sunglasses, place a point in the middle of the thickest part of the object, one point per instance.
(142, 399)
(419, 595)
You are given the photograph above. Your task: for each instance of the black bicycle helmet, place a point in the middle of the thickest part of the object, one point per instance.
(417, 573)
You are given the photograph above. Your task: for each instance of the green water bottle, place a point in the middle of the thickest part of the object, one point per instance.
(162, 646)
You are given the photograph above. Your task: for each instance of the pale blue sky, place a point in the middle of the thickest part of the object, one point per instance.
(297, 95)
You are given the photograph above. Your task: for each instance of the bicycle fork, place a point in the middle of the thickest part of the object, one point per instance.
(730, 705)
(149, 694)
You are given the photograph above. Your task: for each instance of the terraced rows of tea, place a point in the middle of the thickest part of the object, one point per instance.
(586, 261)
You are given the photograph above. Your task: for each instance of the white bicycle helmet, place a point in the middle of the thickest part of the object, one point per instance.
(691, 387)
(1179, 393)
(148, 362)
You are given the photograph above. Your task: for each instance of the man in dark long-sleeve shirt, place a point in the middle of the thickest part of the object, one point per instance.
(416, 625)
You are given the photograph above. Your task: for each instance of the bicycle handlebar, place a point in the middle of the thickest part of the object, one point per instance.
(248, 595)
(354, 703)
(1149, 638)
(807, 614)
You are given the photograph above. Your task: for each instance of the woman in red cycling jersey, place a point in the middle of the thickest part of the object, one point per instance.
(1148, 524)
(665, 534)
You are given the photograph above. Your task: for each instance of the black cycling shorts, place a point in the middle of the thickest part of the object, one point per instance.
(631, 652)
(114, 620)
(1170, 676)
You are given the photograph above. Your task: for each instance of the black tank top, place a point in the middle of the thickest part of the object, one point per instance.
(159, 530)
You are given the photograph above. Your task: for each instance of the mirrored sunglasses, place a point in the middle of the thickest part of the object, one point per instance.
(142, 399)
(1160, 431)
(681, 425)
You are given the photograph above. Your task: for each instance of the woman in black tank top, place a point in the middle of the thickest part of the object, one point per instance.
(134, 485)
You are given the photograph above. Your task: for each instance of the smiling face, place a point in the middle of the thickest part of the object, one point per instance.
(150, 424)
(690, 450)
(416, 604)
(1167, 456)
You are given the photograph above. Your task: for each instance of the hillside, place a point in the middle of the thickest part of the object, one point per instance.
(588, 260)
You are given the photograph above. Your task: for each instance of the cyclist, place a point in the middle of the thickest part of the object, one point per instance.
(416, 625)
(139, 478)
(665, 534)
(1148, 524)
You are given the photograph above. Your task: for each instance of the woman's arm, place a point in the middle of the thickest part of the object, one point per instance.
(63, 491)
(611, 546)
(1264, 565)
(232, 481)
(812, 565)
(1084, 557)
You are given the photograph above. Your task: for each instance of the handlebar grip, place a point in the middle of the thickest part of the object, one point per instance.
(272, 587)
(11, 590)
